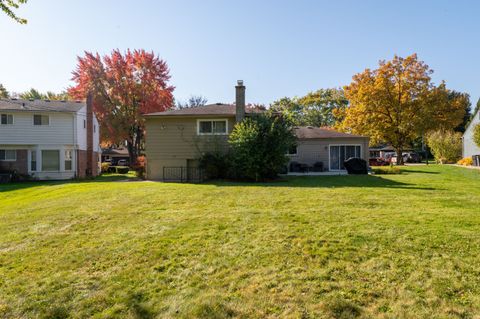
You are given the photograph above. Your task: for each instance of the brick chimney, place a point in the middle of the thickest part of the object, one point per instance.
(90, 155)
(239, 101)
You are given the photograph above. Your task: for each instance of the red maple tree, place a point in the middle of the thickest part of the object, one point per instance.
(123, 88)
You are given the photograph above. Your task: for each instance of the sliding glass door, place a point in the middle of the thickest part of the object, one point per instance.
(340, 153)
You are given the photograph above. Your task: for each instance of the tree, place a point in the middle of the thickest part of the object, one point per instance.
(193, 101)
(123, 87)
(446, 145)
(8, 6)
(397, 103)
(259, 145)
(3, 92)
(314, 109)
(34, 94)
(476, 134)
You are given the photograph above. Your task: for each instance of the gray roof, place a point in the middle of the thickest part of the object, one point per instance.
(40, 105)
(210, 109)
(307, 132)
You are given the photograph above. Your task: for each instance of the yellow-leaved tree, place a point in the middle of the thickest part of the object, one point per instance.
(397, 103)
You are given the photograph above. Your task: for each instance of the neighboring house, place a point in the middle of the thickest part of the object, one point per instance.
(470, 149)
(49, 139)
(381, 151)
(113, 155)
(177, 138)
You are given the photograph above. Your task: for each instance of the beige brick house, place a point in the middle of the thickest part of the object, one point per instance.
(175, 139)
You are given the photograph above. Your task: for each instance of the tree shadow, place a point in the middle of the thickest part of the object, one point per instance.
(417, 171)
(339, 181)
(8, 187)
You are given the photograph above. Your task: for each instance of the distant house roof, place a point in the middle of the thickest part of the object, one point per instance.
(307, 132)
(40, 105)
(210, 109)
(115, 151)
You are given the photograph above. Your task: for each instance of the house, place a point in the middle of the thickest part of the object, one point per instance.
(470, 149)
(113, 155)
(49, 139)
(175, 139)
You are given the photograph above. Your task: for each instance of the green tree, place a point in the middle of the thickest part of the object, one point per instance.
(3, 92)
(314, 109)
(34, 94)
(259, 146)
(8, 6)
(476, 134)
(446, 145)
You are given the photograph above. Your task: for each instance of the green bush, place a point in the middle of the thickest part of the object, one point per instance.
(122, 169)
(216, 165)
(387, 170)
(446, 146)
(259, 144)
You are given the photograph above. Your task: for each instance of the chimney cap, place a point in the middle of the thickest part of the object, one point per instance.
(240, 82)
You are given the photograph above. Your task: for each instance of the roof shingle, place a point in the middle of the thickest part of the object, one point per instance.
(40, 105)
(210, 109)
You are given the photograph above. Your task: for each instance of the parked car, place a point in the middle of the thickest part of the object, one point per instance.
(377, 161)
(122, 162)
(408, 157)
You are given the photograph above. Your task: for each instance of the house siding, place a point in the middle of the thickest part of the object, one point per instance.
(310, 151)
(170, 142)
(469, 147)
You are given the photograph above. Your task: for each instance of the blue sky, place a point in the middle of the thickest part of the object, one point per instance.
(279, 48)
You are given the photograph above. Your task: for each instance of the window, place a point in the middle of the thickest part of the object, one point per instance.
(292, 150)
(50, 160)
(340, 153)
(33, 161)
(8, 155)
(68, 160)
(212, 127)
(6, 119)
(41, 119)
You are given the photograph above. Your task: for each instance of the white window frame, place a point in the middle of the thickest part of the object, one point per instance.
(7, 114)
(65, 159)
(5, 158)
(212, 120)
(345, 144)
(33, 119)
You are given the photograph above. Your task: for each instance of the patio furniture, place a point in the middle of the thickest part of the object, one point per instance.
(317, 167)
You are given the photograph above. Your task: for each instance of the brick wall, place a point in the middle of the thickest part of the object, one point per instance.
(20, 165)
(82, 164)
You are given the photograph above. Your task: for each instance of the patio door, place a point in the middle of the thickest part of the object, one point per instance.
(340, 153)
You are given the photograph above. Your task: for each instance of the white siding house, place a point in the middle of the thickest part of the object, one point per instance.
(47, 139)
(469, 147)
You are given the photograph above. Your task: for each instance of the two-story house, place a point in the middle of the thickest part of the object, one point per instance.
(49, 139)
(470, 148)
(177, 138)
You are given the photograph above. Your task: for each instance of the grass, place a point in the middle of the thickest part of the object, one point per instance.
(391, 246)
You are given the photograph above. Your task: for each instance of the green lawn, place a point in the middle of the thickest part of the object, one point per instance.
(388, 246)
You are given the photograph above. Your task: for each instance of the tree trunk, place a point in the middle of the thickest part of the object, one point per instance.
(399, 156)
(132, 152)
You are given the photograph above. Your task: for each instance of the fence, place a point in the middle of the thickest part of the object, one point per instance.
(183, 174)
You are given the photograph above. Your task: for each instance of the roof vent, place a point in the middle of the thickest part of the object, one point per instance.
(31, 100)
(14, 99)
(47, 100)
(310, 127)
(218, 103)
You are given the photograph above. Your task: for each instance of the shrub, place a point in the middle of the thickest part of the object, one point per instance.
(122, 169)
(446, 146)
(476, 134)
(105, 167)
(259, 144)
(216, 165)
(139, 166)
(387, 170)
(466, 161)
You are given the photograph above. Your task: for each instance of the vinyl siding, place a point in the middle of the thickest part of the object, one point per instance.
(172, 141)
(469, 146)
(59, 131)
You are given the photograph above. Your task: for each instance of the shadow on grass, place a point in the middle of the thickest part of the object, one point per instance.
(328, 182)
(100, 179)
(418, 171)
